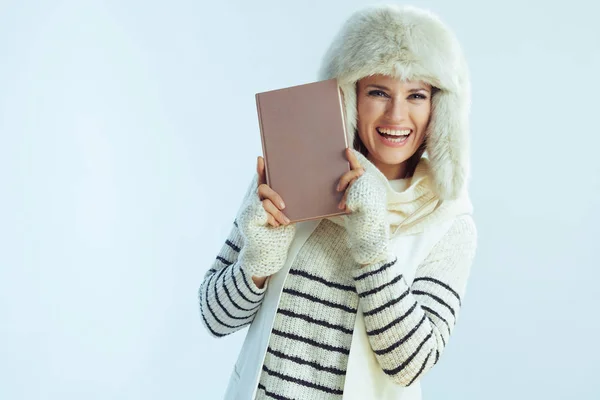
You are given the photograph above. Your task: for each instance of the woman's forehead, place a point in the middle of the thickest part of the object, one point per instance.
(392, 82)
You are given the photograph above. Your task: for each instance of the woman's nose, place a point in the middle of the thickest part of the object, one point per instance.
(397, 110)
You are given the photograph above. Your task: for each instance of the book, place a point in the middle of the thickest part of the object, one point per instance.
(303, 137)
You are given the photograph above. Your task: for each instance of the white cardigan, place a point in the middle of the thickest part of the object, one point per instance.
(229, 301)
(364, 377)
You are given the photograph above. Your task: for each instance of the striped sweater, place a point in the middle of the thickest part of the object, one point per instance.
(408, 325)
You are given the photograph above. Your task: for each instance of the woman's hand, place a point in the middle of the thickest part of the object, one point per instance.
(267, 233)
(356, 171)
(271, 201)
(367, 225)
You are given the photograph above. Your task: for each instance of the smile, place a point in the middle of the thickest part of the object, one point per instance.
(396, 137)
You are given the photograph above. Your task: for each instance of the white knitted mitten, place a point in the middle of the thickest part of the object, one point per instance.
(265, 247)
(367, 226)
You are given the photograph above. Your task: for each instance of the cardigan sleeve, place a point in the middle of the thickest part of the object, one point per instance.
(409, 326)
(228, 297)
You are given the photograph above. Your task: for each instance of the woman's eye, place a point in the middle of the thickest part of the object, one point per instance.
(378, 93)
(418, 96)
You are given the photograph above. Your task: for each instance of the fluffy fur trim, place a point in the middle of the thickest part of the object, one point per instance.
(411, 44)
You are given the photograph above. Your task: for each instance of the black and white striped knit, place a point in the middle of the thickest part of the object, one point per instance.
(228, 297)
(307, 355)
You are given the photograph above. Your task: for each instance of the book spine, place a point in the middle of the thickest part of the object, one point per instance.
(263, 140)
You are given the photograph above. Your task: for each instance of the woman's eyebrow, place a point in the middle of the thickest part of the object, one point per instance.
(409, 91)
(378, 86)
(418, 90)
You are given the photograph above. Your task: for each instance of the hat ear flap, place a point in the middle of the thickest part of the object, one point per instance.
(448, 143)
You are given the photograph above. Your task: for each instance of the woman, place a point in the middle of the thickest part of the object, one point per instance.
(360, 306)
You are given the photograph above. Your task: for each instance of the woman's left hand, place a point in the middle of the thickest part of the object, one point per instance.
(367, 225)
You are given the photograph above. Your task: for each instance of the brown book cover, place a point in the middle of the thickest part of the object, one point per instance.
(304, 140)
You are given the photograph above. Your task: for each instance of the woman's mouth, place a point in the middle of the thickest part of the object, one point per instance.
(394, 137)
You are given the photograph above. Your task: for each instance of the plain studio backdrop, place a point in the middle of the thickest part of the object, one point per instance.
(129, 134)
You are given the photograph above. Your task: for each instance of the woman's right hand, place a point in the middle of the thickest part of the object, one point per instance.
(267, 233)
(271, 200)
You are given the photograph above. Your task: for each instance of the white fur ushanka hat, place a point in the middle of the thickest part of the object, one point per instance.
(411, 44)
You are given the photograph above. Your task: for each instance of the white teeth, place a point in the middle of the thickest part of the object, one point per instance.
(403, 132)
(399, 140)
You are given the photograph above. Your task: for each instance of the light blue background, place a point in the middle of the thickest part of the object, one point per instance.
(129, 134)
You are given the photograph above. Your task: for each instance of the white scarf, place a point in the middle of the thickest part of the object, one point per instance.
(412, 204)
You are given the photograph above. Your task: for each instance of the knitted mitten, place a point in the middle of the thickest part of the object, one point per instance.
(265, 247)
(367, 225)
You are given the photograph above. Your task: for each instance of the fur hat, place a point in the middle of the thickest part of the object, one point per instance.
(411, 44)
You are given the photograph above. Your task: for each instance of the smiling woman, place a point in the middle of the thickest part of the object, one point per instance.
(393, 116)
(362, 306)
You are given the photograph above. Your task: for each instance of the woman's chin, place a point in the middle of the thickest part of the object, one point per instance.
(390, 156)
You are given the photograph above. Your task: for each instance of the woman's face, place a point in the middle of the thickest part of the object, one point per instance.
(392, 119)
